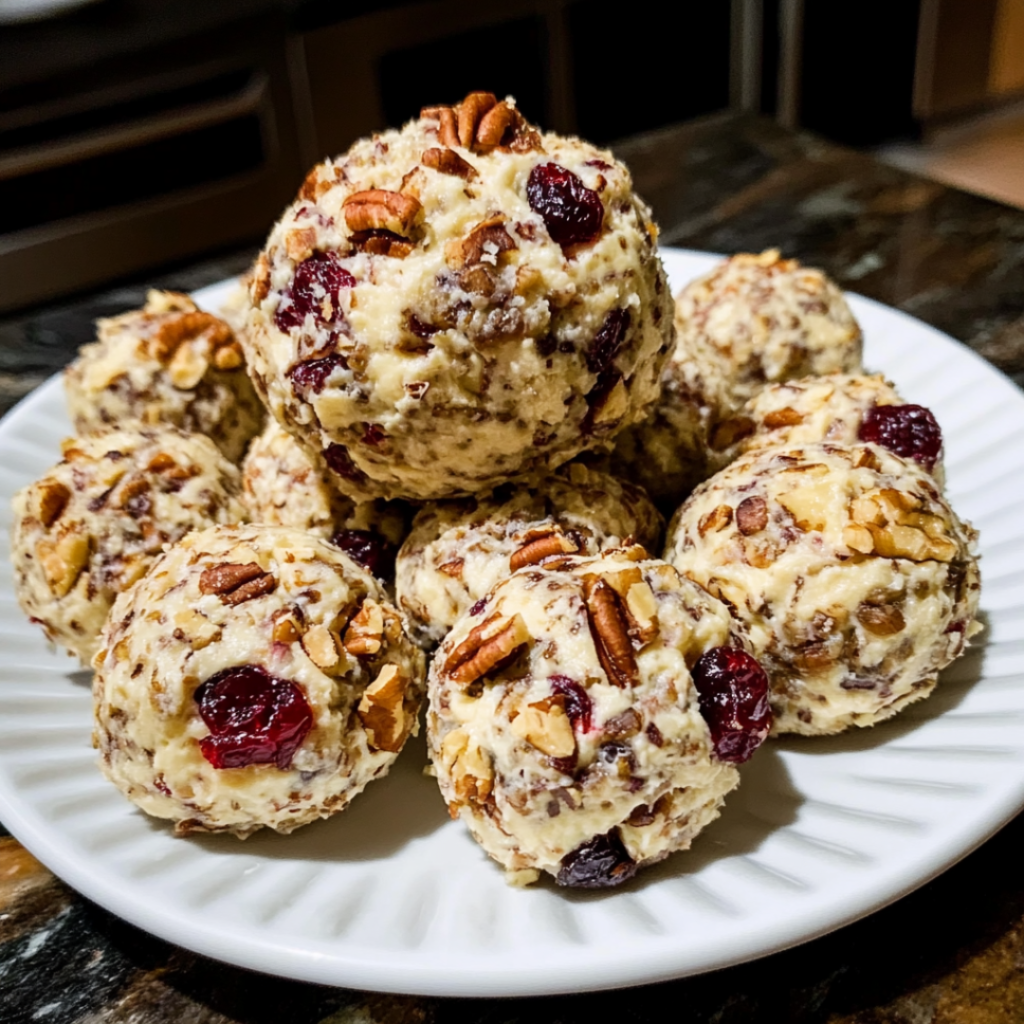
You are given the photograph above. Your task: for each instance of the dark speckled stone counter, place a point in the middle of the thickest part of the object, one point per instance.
(950, 953)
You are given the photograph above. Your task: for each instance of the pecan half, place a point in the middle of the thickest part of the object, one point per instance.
(489, 646)
(610, 632)
(470, 113)
(365, 633)
(382, 713)
(379, 209)
(493, 125)
(447, 161)
(751, 515)
(234, 583)
(536, 550)
(484, 243)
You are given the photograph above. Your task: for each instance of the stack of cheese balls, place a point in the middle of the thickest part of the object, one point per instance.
(466, 344)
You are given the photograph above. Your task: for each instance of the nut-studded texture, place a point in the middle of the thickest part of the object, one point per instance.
(93, 524)
(806, 411)
(319, 629)
(283, 485)
(854, 577)
(753, 320)
(167, 363)
(415, 320)
(540, 751)
(458, 550)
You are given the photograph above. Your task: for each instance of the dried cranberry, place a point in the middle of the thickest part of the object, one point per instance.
(608, 340)
(374, 434)
(337, 457)
(320, 277)
(733, 691)
(479, 606)
(597, 864)
(313, 373)
(369, 549)
(572, 213)
(909, 431)
(578, 705)
(253, 718)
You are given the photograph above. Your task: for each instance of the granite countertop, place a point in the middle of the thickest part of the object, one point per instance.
(950, 953)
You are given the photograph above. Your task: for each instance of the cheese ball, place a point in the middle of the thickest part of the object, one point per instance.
(458, 550)
(855, 579)
(459, 303)
(284, 486)
(93, 524)
(167, 363)
(564, 724)
(753, 320)
(256, 677)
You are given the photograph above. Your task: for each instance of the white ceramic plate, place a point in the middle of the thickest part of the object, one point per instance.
(393, 896)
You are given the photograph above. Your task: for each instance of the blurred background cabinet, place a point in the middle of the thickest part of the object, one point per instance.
(136, 133)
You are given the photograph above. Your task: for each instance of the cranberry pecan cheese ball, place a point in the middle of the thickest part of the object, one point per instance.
(167, 363)
(565, 724)
(459, 303)
(840, 408)
(854, 578)
(458, 550)
(283, 485)
(92, 525)
(257, 676)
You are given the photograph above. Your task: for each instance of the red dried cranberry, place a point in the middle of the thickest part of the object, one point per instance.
(479, 606)
(572, 213)
(578, 705)
(608, 340)
(313, 373)
(316, 278)
(374, 434)
(253, 718)
(597, 864)
(733, 691)
(369, 549)
(421, 329)
(909, 431)
(337, 457)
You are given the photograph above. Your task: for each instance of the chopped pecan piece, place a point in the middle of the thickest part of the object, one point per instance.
(321, 645)
(382, 243)
(470, 113)
(751, 515)
(546, 726)
(484, 243)
(536, 550)
(448, 127)
(787, 417)
(728, 432)
(382, 713)
(717, 519)
(63, 560)
(881, 619)
(365, 633)
(260, 279)
(379, 209)
(610, 632)
(53, 499)
(452, 568)
(235, 583)
(300, 243)
(175, 332)
(489, 646)
(470, 768)
(493, 125)
(447, 161)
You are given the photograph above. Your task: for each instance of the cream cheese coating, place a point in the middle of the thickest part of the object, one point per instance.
(541, 744)
(455, 343)
(305, 614)
(458, 550)
(93, 524)
(856, 581)
(167, 363)
(283, 486)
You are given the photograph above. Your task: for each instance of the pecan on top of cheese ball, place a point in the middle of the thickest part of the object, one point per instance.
(167, 363)
(95, 522)
(458, 303)
(855, 579)
(255, 677)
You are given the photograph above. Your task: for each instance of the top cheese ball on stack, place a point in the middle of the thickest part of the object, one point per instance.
(459, 303)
